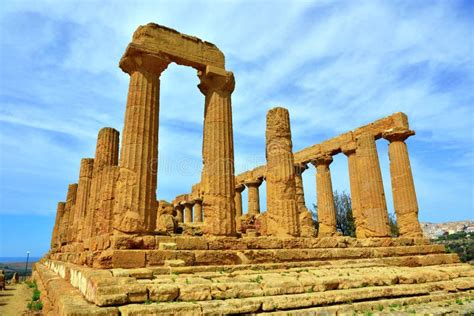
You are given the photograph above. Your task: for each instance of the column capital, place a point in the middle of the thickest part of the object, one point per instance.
(216, 79)
(300, 168)
(397, 134)
(349, 148)
(197, 201)
(239, 187)
(253, 183)
(135, 59)
(322, 160)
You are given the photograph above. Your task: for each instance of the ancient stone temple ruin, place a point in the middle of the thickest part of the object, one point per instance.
(117, 250)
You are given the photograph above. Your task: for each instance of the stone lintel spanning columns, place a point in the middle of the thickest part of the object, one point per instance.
(325, 196)
(218, 152)
(253, 196)
(305, 216)
(69, 213)
(403, 186)
(179, 212)
(83, 192)
(373, 207)
(58, 224)
(136, 186)
(188, 212)
(282, 216)
(197, 210)
(349, 149)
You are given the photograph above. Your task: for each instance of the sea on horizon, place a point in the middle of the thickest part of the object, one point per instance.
(18, 259)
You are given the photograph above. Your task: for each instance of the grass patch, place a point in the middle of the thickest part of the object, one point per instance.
(258, 279)
(35, 304)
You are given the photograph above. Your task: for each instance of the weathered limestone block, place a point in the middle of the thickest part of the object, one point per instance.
(166, 222)
(136, 186)
(253, 196)
(68, 213)
(373, 207)
(325, 197)
(305, 217)
(179, 212)
(403, 187)
(106, 212)
(58, 223)
(83, 190)
(163, 292)
(349, 150)
(282, 212)
(218, 152)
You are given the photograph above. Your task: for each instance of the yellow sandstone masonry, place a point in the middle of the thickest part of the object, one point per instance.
(58, 223)
(197, 209)
(305, 217)
(66, 231)
(403, 187)
(218, 152)
(282, 212)
(253, 196)
(325, 197)
(188, 212)
(374, 214)
(349, 150)
(83, 191)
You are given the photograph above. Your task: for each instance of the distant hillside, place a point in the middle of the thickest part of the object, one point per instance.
(434, 230)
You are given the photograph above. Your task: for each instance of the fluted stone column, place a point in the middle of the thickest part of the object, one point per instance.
(253, 196)
(69, 213)
(179, 213)
(305, 218)
(106, 157)
(83, 191)
(238, 200)
(58, 223)
(188, 212)
(282, 214)
(403, 187)
(136, 187)
(325, 197)
(218, 152)
(349, 150)
(197, 209)
(373, 208)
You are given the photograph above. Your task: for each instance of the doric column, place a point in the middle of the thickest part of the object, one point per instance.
(218, 152)
(106, 157)
(58, 223)
(282, 214)
(305, 217)
(69, 213)
(83, 190)
(373, 208)
(253, 196)
(349, 150)
(325, 196)
(136, 187)
(403, 187)
(238, 200)
(188, 212)
(197, 209)
(179, 212)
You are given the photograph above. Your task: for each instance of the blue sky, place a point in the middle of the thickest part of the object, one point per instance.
(335, 65)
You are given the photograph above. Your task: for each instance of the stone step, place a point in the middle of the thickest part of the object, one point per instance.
(294, 301)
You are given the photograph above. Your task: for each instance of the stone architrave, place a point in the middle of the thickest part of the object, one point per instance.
(349, 150)
(282, 212)
(55, 242)
(188, 212)
(305, 217)
(98, 214)
(403, 186)
(218, 152)
(136, 186)
(68, 213)
(197, 210)
(325, 196)
(373, 207)
(253, 196)
(83, 193)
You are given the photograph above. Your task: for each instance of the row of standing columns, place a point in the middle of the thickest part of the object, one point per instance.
(189, 211)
